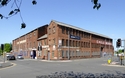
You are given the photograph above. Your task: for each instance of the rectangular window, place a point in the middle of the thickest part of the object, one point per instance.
(63, 42)
(44, 42)
(63, 29)
(70, 43)
(71, 32)
(66, 42)
(63, 54)
(77, 43)
(30, 45)
(52, 54)
(54, 42)
(67, 29)
(31, 35)
(34, 44)
(54, 29)
(49, 31)
(66, 53)
(34, 32)
(73, 43)
(76, 33)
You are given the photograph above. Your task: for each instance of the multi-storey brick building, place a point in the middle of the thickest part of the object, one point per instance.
(62, 41)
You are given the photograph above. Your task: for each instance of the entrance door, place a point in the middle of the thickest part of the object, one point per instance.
(34, 54)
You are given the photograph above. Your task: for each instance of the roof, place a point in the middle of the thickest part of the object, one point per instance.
(31, 31)
(77, 28)
(42, 37)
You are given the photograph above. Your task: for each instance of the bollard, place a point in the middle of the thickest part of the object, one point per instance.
(109, 61)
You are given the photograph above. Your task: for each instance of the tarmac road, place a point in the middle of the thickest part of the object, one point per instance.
(29, 68)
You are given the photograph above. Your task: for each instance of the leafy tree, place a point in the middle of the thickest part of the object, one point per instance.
(7, 47)
(0, 51)
(120, 51)
(34, 2)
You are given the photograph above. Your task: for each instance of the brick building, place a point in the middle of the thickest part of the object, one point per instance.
(62, 41)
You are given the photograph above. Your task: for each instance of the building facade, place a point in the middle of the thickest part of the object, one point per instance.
(62, 41)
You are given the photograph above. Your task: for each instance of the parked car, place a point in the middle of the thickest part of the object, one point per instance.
(11, 57)
(20, 57)
(8, 54)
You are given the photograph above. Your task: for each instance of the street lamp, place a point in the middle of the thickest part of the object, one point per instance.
(68, 46)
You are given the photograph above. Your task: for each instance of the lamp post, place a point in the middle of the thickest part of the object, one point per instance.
(68, 46)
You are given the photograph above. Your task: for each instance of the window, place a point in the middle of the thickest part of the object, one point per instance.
(70, 43)
(67, 29)
(70, 53)
(66, 53)
(54, 29)
(49, 31)
(54, 42)
(63, 42)
(30, 35)
(73, 43)
(77, 44)
(66, 42)
(63, 29)
(45, 53)
(52, 54)
(73, 53)
(76, 33)
(34, 45)
(44, 42)
(71, 31)
(34, 32)
(63, 55)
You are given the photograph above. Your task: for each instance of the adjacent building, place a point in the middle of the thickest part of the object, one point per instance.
(62, 41)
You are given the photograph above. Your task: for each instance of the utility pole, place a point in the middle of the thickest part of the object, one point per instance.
(68, 46)
(124, 51)
(124, 48)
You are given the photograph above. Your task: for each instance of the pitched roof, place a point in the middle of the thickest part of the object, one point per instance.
(77, 28)
(42, 37)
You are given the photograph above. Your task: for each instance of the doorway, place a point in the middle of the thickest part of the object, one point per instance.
(34, 54)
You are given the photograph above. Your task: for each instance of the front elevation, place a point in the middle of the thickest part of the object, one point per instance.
(63, 41)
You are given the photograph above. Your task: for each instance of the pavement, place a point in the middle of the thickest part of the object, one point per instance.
(5, 64)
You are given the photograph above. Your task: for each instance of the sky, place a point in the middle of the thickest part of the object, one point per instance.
(109, 20)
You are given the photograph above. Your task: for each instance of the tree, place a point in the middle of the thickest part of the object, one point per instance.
(120, 51)
(15, 11)
(7, 47)
(0, 51)
(34, 2)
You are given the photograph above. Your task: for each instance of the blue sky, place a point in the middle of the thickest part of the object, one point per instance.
(108, 20)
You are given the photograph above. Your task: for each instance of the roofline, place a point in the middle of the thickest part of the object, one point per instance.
(31, 31)
(77, 28)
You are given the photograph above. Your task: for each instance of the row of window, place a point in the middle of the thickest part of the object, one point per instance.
(26, 36)
(52, 41)
(94, 45)
(95, 37)
(78, 53)
(75, 32)
(52, 30)
(73, 43)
